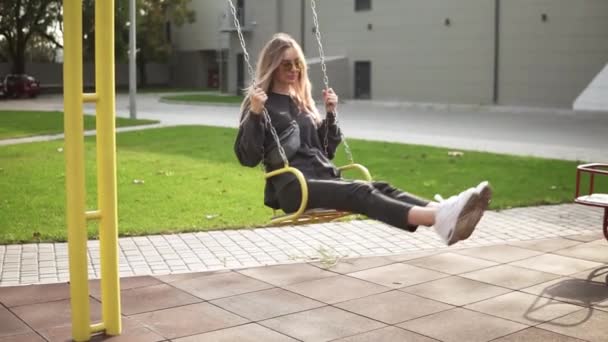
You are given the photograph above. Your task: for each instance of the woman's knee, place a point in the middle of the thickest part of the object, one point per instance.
(362, 190)
(362, 196)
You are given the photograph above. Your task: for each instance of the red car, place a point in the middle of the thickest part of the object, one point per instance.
(19, 85)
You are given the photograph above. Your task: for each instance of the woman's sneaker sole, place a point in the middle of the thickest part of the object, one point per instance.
(485, 196)
(467, 220)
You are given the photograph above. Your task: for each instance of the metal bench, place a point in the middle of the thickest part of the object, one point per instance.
(591, 198)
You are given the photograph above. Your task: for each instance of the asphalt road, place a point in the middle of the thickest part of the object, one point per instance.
(558, 133)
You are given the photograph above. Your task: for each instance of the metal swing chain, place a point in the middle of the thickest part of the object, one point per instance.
(315, 18)
(267, 120)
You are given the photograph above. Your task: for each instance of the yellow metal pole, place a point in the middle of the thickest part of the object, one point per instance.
(106, 164)
(74, 173)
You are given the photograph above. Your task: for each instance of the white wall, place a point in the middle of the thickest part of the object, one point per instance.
(595, 96)
(414, 56)
(549, 63)
(202, 34)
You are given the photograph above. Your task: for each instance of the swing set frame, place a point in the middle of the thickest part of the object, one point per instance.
(302, 215)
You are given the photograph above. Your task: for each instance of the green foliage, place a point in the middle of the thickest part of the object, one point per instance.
(152, 18)
(23, 22)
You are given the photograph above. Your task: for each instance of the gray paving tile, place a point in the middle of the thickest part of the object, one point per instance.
(456, 290)
(571, 290)
(132, 331)
(336, 289)
(510, 276)
(393, 307)
(556, 264)
(536, 335)
(501, 254)
(546, 245)
(50, 314)
(462, 325)
(126, 283)
(398, 275)
(155, 297)
(597, 252)
(322, 324)
(597, 274)
(220, 285)
(349, 265)
(29, 337)
(524, 308)
(265, 304)
(388, 334)
(582, 324)
(23, 295)
(286, 274)
(244, 333)
(452, 263)
(188, 320)
(11, 324)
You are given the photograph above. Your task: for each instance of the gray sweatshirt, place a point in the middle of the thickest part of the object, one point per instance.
(310, 158)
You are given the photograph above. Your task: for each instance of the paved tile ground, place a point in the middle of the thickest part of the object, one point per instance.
(193, 252)
(551, 289)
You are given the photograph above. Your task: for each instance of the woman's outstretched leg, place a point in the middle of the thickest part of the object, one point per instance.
(454, 219)
(424, 212)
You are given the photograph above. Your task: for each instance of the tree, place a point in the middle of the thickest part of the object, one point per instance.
(22, 20)
(121, 17)
(154, 19)
(41, 50)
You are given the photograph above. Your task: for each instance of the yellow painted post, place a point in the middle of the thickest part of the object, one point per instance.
(106, 164)
(74, 173)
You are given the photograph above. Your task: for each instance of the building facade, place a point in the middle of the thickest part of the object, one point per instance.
(506, 52)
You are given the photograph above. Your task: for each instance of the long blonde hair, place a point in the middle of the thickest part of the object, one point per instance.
(269, 60)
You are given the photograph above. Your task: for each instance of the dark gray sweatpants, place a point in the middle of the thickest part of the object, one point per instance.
(377, 200)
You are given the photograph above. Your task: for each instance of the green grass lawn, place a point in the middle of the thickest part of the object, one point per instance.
(192, 181)
(18, 124)
(209, 98)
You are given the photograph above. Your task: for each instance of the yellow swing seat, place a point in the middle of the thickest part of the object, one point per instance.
(318, 215)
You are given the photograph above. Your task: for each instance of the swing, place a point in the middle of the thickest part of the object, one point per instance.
(593, 198)
(301, 216)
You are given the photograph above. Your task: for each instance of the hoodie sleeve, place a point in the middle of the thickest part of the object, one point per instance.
(334, 135)
(250, 140)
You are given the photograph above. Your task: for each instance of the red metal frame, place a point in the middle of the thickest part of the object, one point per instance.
(592, 169)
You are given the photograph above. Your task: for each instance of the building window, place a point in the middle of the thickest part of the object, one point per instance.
(363, 5)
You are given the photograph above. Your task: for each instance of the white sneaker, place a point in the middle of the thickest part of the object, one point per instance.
(458, 215)
(485, 196)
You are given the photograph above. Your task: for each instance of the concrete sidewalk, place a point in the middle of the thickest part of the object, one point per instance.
(537, 290)
(331, 242)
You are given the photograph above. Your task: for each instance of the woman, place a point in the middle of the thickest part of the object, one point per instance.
(282, 88)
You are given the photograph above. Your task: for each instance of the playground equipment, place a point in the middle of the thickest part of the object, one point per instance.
(77, 216)
(592, 198)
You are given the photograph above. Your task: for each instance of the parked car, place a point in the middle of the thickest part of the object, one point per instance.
(19, 85)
